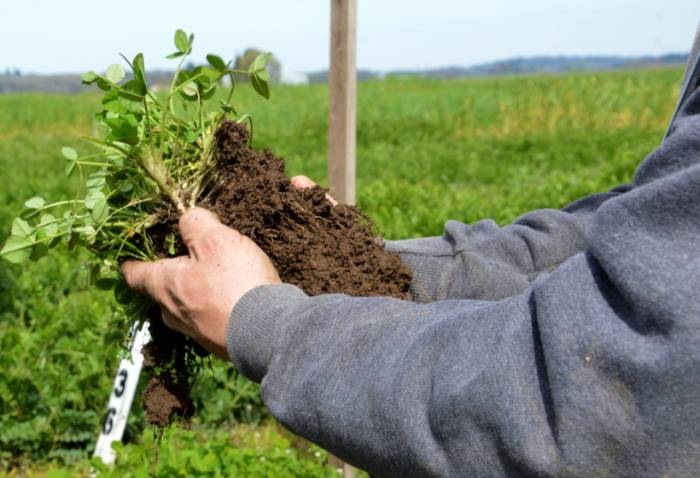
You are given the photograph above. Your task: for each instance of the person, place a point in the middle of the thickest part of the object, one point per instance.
(564, 344)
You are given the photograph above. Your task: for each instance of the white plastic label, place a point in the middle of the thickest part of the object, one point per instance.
(122, 396)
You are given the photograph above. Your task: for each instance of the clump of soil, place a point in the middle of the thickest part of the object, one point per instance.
(169, 359)
(314, 245)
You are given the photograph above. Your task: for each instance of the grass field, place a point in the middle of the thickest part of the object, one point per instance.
(428, 151)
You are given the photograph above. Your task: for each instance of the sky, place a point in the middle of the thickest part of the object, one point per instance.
(44, 36)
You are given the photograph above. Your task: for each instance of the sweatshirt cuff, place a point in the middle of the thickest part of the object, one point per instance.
(428, 259)
(252, 325)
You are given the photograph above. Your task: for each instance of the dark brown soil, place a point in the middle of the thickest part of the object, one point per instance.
(319, 247)
(169, 360)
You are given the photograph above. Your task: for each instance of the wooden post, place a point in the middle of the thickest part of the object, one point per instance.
(342, 105)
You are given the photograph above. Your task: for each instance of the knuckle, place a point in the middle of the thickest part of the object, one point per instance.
(197, 217)
(178, 278)
(302, 182)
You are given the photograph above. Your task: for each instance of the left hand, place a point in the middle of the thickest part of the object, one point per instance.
(198, 292)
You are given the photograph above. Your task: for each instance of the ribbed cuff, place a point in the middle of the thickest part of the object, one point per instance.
(428, 259)
(252, 325)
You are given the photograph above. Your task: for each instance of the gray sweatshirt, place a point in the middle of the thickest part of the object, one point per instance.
(564, 344)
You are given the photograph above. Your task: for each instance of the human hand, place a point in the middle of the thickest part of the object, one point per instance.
(197, 292)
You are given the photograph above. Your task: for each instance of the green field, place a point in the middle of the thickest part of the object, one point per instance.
(428, 151)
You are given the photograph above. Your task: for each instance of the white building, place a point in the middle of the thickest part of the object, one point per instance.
(294, 77)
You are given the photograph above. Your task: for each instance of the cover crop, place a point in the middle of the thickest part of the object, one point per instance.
(153, 156)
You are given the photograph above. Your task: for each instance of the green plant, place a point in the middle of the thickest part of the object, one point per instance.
(153, 161)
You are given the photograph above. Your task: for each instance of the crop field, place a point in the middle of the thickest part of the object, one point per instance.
(428, 151)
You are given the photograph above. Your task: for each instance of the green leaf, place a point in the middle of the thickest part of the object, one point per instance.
(111, 103)
(37, 202)
(21, 228)
(69, 153)
(95, 180)
(89, 77)
(100, 212)
(259, 62)
(47, 224)
(190, 89)
(123, 128)
(86, 230)
(177, 54)
(263, 75)
(115, 73)
(92, 198)
(103, 84)
(17, 249)
(217, 63)
(133, 90)
(126, 187)
(209, 92)
(39, 250)
(130, 103)
(56, 241)
(139, 69)
(69, 167)
(106, 283)
(210, 75)
(107, 275)
(260, 86)
(181, 42)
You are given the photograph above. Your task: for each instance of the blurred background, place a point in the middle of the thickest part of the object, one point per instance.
(445, 38)
(466, 110)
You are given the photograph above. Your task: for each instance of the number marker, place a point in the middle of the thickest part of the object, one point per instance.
(122, 396)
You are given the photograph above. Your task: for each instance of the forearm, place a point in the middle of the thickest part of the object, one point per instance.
(466, 388)
(486, 262)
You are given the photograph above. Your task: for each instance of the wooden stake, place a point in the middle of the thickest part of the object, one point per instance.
(342, 88)
(342, 107)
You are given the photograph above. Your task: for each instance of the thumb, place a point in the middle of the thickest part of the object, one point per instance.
(195, 224)
(140, 276)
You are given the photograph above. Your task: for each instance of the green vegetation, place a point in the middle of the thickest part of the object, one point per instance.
(428, 151)
(151, 158)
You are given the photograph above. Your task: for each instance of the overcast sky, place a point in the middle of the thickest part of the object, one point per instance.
(48, 36)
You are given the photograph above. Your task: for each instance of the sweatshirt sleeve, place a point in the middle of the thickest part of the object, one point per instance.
(487, 262)
(593, 370)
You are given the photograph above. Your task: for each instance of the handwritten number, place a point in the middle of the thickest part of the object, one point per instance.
(109, 422)
(121, 383)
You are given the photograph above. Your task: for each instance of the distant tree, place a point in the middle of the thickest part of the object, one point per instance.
(17, 72)
(274, 67)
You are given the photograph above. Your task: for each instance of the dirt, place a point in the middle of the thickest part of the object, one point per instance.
(170, 362)
(314, 245)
